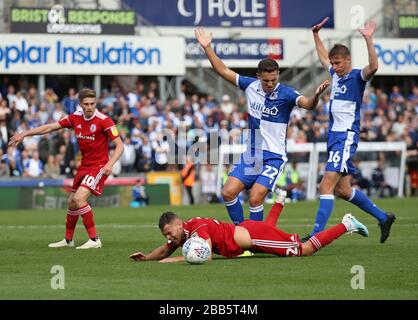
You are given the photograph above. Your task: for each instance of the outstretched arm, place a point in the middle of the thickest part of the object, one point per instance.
(46, 128)
(205, 41)
(159, 253)
(320, 49)
(311, 102)
(371, 68)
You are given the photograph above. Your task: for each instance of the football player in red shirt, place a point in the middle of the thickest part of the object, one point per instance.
(93, 130)
(232, 240)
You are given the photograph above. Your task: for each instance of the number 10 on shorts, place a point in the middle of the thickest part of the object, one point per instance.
(88, 180)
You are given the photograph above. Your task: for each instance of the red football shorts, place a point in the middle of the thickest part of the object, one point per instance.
(90, 178)
(266, 238)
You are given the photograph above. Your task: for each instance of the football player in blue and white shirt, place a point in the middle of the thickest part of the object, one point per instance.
(347, 90)
(269, 106)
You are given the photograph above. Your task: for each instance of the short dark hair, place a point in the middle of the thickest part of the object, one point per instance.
(339, 50)
(86, 93)
(268, 65)
(166, 218)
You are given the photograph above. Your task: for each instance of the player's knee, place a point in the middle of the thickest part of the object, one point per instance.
(255, 200)
(75, 203)
(326, 186)
(228, 195)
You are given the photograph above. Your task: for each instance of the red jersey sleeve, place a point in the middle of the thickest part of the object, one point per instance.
(110, 128)
(66, 122)
(200, 229)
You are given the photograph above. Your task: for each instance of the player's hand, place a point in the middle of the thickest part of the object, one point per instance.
(322, 87)
(204, 39)
(138, 256)
(368, 29)
(107, 169)
(317, 27)
(16, 139)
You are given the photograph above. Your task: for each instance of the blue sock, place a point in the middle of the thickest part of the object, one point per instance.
(235, 211)
(364, 203)
(256, 213)
(326, 205)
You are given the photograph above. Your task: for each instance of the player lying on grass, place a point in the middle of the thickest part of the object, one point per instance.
(231, 240)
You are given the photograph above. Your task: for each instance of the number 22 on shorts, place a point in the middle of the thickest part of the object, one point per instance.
(271, 175)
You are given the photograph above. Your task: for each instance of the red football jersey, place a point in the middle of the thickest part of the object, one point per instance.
(92, 136)
(220, 233)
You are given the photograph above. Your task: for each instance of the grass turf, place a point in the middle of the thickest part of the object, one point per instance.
(391, 269)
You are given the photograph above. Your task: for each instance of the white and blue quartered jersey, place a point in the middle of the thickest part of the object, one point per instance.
(346, 98)
(268, 116)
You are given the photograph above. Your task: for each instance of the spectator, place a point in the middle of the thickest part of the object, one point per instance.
(291, 182)
(34, 167)
(226, 105)
(139, 196)
(44, 147)
(128, 157)
(358, 180)
(52, 167)
(58, 113)
(188, 175)
(161, 149)
(11, 96)
(5, 116)
(4, 168)
(144, 155)
(379, 181)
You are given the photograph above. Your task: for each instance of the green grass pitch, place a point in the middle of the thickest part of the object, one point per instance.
(391, 269)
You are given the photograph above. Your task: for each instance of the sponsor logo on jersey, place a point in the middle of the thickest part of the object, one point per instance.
(80, 136)
(270, 111)
(266, 110)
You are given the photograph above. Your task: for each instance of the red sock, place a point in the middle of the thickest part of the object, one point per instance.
(72, 219)
(274, 214)
(323, 238)
(87, 215)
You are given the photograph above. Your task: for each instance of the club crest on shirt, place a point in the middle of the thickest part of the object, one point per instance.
(93, 128)
(273, 95)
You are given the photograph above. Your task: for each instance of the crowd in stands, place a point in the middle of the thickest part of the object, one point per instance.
(140, 116)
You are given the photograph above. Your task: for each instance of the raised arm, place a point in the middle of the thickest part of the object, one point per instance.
(320, 49)
(205, 41)
(367, 32)
(311, 102)
(46, 128)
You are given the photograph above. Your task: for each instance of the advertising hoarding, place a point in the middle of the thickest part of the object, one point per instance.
(112, 55)
(395, 56)
(59, 20)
